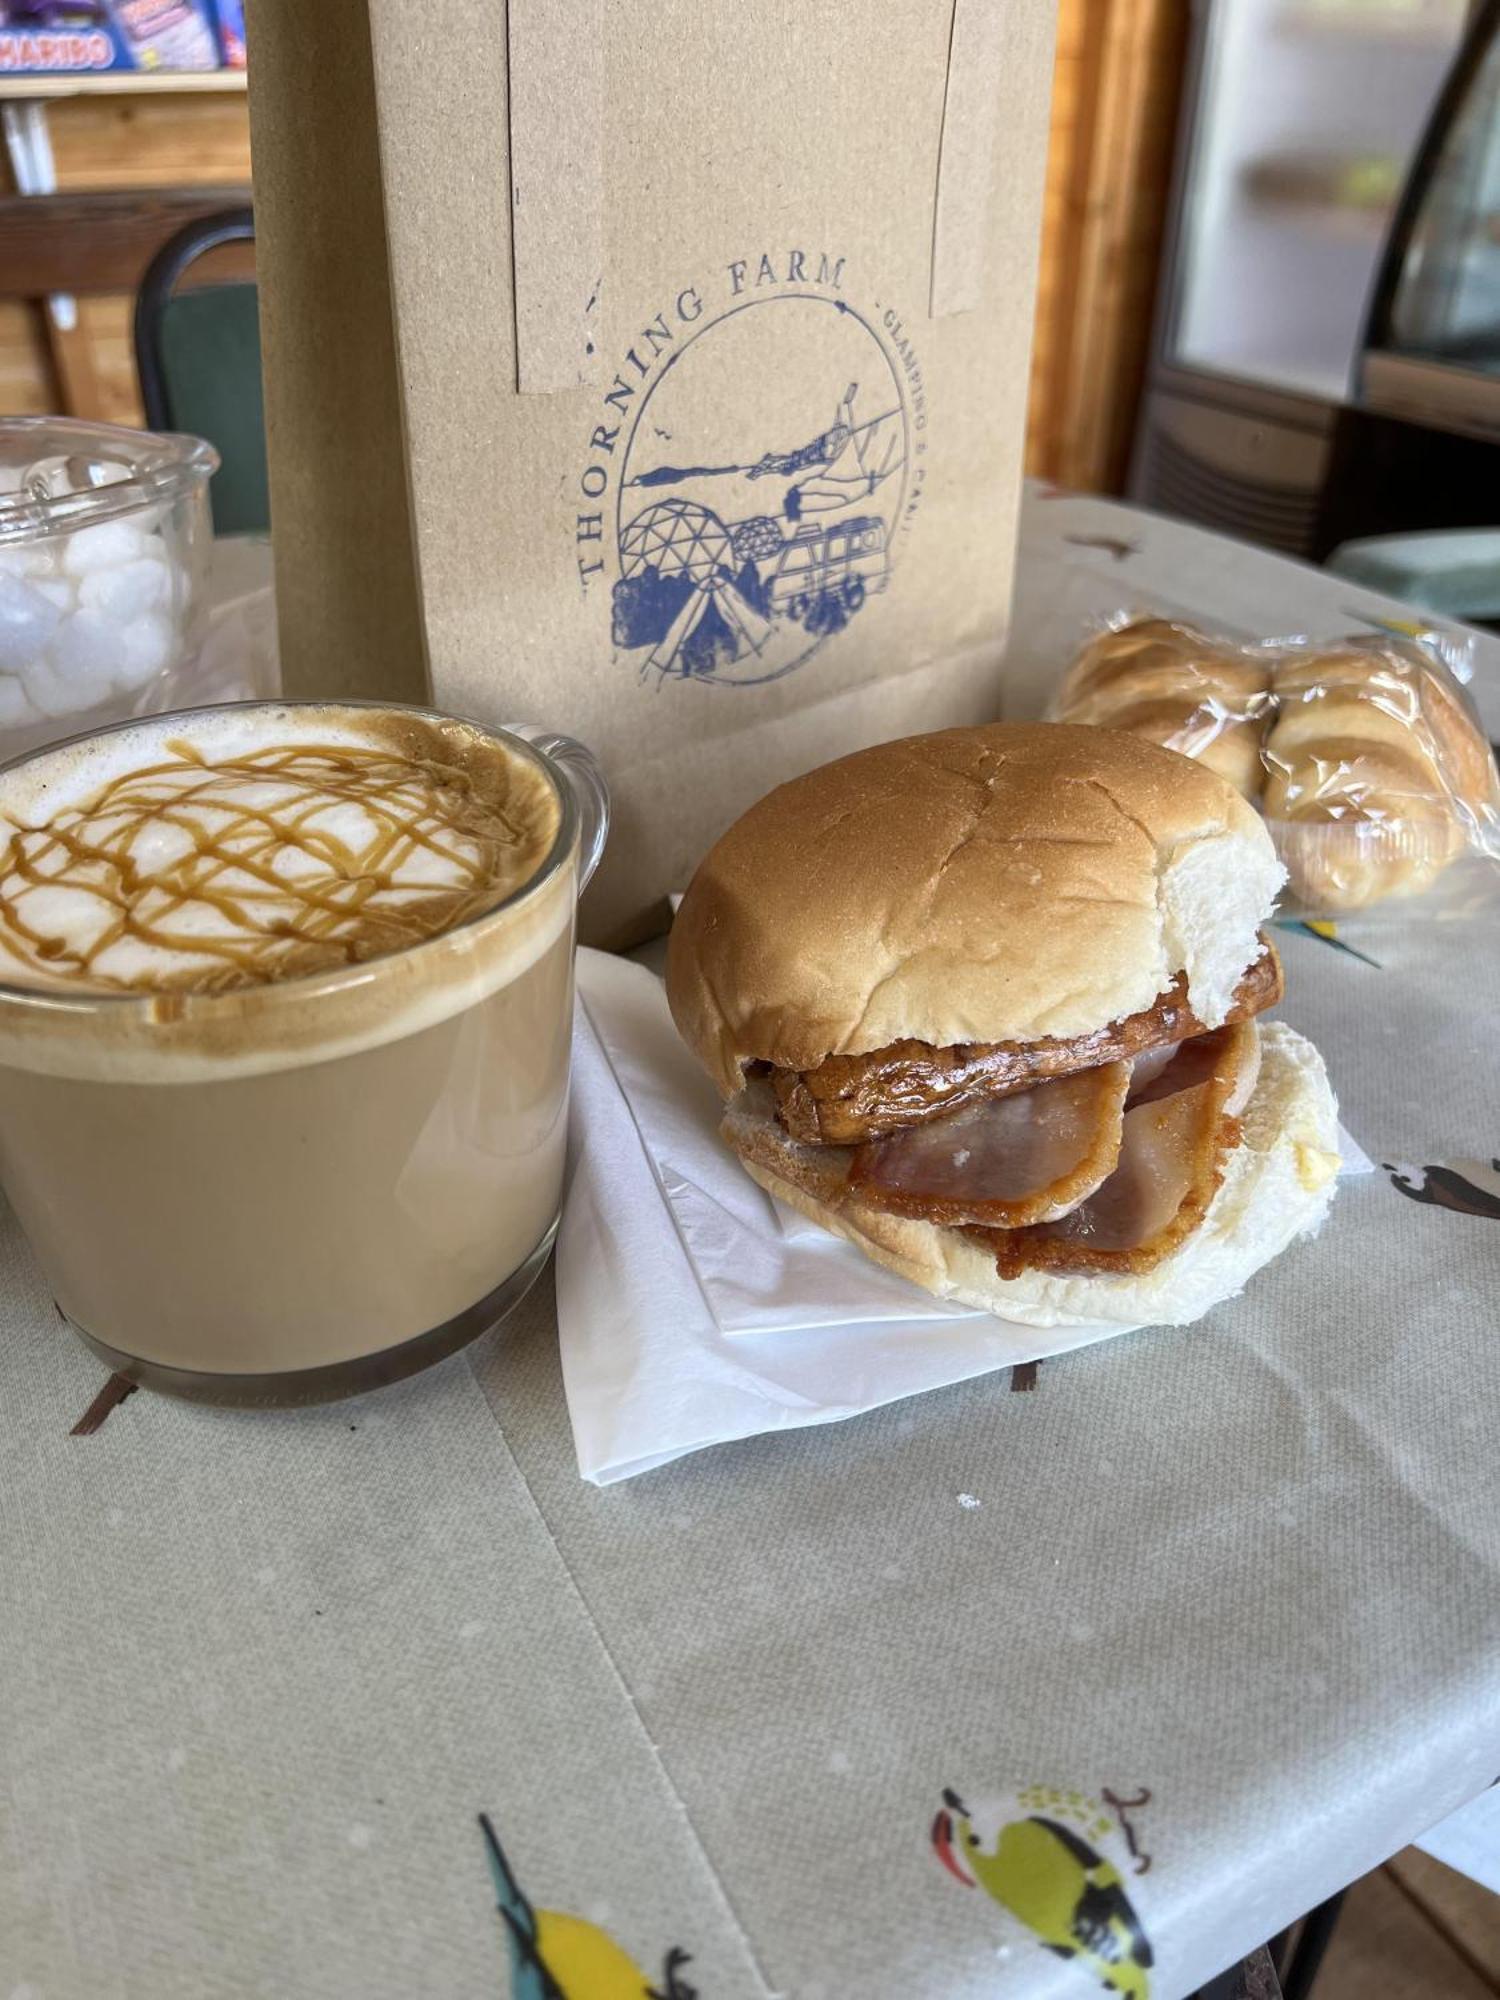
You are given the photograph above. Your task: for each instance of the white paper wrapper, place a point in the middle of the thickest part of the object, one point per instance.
(691, 1308)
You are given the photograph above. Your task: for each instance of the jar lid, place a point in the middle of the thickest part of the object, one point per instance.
(58, 474)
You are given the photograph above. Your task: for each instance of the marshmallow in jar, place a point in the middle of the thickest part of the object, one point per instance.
(104, 538)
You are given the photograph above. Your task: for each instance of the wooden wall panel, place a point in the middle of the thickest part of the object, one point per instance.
(103, 241)
(100, 142)
(112, 142)
(27, 385)
(1114, 123)
(104, 330)
(1067, 110)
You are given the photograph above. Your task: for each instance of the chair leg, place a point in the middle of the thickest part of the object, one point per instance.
(1316, 1935)
(1254, 1978)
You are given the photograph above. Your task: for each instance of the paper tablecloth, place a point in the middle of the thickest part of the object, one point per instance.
(1223, 1603)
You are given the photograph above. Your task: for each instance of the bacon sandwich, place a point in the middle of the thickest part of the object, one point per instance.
(989, 1003)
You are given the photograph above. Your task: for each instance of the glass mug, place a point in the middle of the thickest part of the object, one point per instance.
(291, 1191)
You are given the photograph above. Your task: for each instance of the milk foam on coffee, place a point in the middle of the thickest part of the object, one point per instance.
(215, 860)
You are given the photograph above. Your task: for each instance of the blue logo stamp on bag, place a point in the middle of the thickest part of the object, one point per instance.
(761, 456)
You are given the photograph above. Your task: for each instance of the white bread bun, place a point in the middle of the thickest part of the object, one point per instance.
(1376, 769)
(1278, 1183)
(1174, 685)
(996, 884)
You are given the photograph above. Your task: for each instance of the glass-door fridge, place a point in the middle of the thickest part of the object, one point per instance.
(1418, 447)
(1300, 122)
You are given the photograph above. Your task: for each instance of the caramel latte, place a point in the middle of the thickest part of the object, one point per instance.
(285, 1009)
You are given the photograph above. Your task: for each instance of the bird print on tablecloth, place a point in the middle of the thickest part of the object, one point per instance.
(1054, 1881)
(1466, 1187)
(555, 1956)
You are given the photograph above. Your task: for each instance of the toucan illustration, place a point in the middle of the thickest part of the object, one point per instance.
(1459, 1185)
(1065, 1893)
(554, 1956)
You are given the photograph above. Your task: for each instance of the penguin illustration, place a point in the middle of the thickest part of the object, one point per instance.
(554, 1956)
(1065, 1893)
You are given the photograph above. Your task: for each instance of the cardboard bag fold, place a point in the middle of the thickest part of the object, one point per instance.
(711, 339)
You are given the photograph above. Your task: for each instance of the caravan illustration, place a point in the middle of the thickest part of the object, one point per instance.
(823, 575)
(735, 569)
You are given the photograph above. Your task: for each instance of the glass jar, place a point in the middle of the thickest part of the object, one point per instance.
(104, 546)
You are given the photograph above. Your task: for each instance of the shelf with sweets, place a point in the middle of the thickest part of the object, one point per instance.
(121, 83)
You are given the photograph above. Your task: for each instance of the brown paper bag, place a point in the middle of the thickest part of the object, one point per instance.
(711, 335)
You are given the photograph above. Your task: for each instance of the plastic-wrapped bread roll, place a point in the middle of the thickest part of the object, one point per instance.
(1177, 687)
(1377, 774)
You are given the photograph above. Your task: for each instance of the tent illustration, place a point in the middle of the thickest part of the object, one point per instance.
(677, 543)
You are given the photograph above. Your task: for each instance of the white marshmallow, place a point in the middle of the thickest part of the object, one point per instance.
(79, 667)
(142, 649)
(27, 619)
(50, 691)
(28, 558)
(105, 545)
(125, 590)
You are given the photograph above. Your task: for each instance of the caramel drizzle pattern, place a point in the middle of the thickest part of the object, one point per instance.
(291, 924)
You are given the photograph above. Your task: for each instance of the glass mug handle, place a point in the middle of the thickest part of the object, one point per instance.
(582, 770)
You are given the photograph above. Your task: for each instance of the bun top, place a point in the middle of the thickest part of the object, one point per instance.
(1004, 883)
(1385, 690)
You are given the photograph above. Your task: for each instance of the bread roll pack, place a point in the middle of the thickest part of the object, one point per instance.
(1175, 686)
(1365, 754)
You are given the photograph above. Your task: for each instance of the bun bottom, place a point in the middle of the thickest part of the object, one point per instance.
(1278, 1184)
